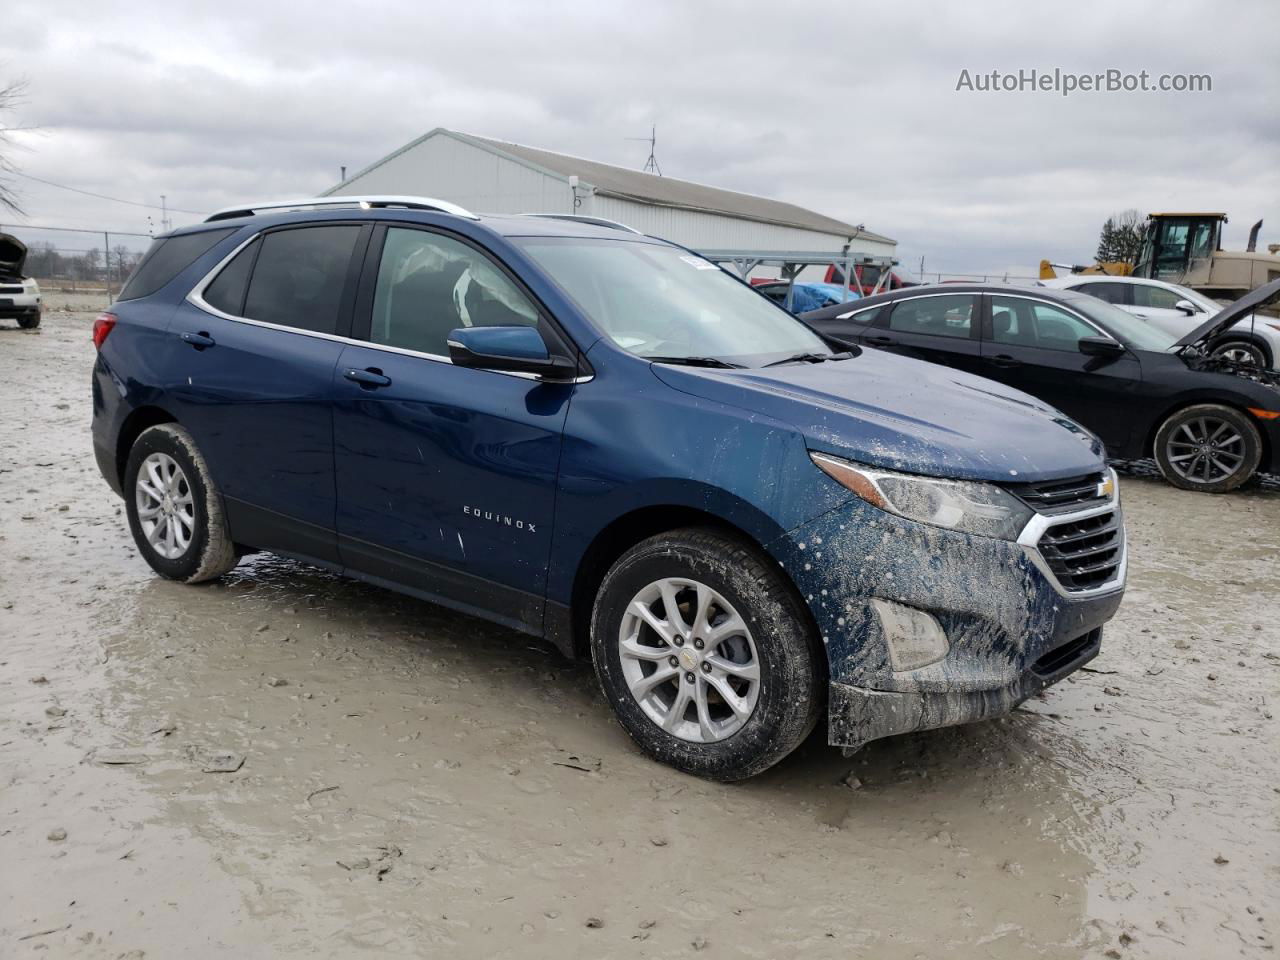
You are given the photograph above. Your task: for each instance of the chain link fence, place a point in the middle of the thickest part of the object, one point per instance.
(67, 260)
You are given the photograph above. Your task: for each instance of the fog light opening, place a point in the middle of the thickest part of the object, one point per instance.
(915, 639)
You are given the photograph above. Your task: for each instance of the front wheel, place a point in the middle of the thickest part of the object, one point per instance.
(29, 321)
(175, 511)
(1241, 351)
(706, 654)
(1208, 447)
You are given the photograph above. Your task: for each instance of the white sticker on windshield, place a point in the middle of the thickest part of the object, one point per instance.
(700, 263)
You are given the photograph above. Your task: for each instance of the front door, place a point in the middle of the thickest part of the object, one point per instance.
(1035, 346)
(445, 475)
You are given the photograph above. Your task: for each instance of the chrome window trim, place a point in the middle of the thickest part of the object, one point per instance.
(1029, 540)
(195, 297)
(1057, 306)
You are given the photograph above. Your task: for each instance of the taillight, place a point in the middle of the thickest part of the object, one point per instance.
(103, 324)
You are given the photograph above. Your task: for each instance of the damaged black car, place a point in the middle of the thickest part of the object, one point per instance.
(1210, 423)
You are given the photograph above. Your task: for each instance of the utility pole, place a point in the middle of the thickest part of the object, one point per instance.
(342, 177)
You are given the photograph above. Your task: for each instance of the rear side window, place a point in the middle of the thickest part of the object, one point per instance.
(299, 276)
(1110, 292)
(166, 258)
(227, 291)
(941, 316)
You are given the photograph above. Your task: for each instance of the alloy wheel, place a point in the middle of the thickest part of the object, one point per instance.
(1206, 450)
(1240, 353)
(166, 506)
(689, 660)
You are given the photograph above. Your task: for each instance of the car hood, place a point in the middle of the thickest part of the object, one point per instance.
(1232, 313)
(13, 255)
(903, 414)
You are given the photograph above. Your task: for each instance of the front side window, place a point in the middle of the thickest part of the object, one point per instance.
(1157, 297)
(430, 284)
(299, 277)
(945, 316)
(1032, 323)
(659, 301)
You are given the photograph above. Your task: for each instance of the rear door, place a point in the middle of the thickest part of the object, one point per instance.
(938, 327)
(445, 475)
(1034, 345)
(261, 341)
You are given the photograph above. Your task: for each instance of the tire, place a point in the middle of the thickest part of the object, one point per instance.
(201, 548)
(778, 637)
(1186, 454)
(29, 321)
(1242, 351)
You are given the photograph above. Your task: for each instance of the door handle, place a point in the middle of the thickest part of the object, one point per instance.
(200, 341)
(1004, 360)
(880, 341)
(369, 378)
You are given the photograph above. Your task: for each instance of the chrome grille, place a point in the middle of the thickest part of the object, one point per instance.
(1051, 495)
(1084, 553)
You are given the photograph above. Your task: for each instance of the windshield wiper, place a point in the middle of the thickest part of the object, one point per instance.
(810, 358)
(697, 362)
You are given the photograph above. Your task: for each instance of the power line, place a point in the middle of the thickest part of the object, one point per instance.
(103, 196)
(118, 233)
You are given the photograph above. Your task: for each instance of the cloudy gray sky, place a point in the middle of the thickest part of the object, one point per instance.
(848, 108)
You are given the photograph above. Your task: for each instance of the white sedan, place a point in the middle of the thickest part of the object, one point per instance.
(1179, 310)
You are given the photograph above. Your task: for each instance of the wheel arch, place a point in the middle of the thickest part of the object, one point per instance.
(1232, 335)
(1182, 403)
(137, 421)
(620, 535)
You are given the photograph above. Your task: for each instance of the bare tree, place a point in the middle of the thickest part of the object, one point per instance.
(1121, 238)
(10, 97)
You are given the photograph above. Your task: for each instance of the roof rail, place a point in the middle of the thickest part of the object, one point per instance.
(364, 203)
(583, 218)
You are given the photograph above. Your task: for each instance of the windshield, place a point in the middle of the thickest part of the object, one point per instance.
(1125, 327)
(660, 301)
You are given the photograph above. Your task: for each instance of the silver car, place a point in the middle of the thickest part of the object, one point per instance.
(1178, 310)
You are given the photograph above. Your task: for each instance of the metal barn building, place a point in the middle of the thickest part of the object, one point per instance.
(491, 176)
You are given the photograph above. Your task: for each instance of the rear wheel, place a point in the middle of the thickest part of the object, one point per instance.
(1241, 351)
(706, 654)
(175, 511)
(1208, 447)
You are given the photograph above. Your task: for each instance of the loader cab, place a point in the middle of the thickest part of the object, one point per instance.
(1177, 245)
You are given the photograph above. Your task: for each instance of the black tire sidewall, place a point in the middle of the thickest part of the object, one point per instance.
(1246, 428)
(790, 686)
(1258, 351)
(161, 440)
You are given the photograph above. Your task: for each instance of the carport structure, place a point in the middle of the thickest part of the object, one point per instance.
(791, 262)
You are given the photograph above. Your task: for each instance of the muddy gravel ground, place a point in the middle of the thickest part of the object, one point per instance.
(285, 763)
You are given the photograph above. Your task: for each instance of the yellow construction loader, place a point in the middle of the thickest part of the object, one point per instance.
(1186, 249)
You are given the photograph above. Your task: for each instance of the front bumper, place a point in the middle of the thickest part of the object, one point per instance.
(1012, 627)
(14, 305)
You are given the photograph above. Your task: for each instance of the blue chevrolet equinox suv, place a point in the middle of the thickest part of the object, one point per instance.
(603, 439)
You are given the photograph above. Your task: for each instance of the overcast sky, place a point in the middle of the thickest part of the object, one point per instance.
(850, 109)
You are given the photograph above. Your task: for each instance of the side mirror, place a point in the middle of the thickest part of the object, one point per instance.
(1100, 347)
(510, 349)
(1187, 307)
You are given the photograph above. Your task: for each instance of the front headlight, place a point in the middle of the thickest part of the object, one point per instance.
(967, 506)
